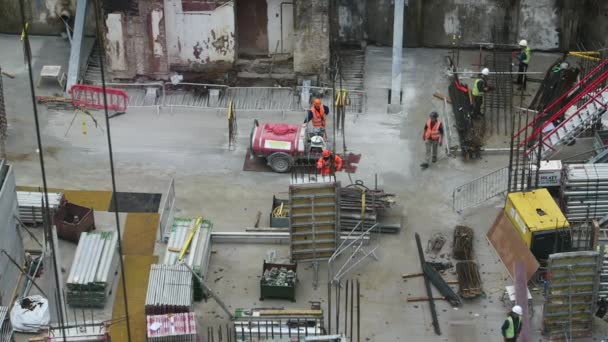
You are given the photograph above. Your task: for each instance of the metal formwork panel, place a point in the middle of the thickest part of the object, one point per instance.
(314, 220)
(571, 295)
(169, 290)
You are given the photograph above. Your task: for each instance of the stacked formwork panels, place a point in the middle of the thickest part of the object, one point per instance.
(31, 205)
(584, 192)
(93, 270)
(313, 220)
(571, 294)
(277, 324)
(169, 290)
(181, 327)
(199, 251)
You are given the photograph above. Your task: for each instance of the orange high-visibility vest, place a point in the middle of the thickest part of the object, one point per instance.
(432, 131)
(318, 116)
(324, 165)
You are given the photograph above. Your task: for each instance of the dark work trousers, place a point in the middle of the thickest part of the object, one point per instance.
(522, 78)
(477, 102)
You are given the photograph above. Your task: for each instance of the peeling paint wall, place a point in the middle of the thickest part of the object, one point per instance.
(200, 40)
(539, 23)
(280, 21)
(136, 44)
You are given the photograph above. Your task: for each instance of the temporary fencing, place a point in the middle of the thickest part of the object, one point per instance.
(195, 95)
(90, 96)
(142, 95)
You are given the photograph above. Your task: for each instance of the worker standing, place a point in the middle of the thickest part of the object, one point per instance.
(523, 57)
(324, 164)
(317, 114)
(480, 87)
(512, 325)
(432, 136)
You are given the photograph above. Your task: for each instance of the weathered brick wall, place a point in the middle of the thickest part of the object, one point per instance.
(144, 41)
(311, 52)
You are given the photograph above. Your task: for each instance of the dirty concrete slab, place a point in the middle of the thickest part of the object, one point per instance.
(190, 146)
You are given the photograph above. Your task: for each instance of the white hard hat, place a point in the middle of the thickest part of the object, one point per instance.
(518, 310)
(485, 71)
(523, 42)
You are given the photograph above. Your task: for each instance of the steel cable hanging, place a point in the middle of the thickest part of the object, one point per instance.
(100, 42)
(47, 229)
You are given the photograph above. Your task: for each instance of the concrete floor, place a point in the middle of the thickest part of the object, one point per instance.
(190, 146)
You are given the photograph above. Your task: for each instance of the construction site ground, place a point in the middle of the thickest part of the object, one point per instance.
(191, 147)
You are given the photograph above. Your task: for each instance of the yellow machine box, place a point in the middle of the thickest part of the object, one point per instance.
(534, 213)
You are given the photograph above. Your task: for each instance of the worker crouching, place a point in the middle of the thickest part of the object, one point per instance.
(432, 136)
(329, 162)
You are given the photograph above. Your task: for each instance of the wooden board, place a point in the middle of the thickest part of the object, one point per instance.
(510, 247)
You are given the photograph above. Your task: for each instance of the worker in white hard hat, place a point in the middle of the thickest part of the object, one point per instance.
(512, 325)
(480, 87)
(523, 57)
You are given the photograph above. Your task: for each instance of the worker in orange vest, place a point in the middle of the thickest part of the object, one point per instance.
(432, 136)
(324, 164)
(317, 114)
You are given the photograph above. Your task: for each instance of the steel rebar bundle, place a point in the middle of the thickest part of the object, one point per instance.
(169, 290)
(469, 280)
(463, 243)
(353, 209)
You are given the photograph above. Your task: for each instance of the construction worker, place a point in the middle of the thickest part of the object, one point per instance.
(317, 114)
(324, 164)
(512, 325)
(523, 57)
(432, 136)
(480, 87)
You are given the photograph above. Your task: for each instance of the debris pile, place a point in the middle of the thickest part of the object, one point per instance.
(359, 203)
(279, 277)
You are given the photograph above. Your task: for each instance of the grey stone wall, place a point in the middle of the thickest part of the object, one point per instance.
(311, 52)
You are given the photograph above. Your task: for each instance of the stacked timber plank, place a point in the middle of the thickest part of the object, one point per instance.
(179, 327)
(584, 191)
(169, 290)
(90, 278)
(571, 294)
(358, 203)
(198, 253)
(31, 204)
(6, 329)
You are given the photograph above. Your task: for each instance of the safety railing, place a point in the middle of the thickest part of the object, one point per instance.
(215, 96)
(480, 189)
(167, 213)
(262, 98)
(356, 102)
(195, 95)
(143, 95)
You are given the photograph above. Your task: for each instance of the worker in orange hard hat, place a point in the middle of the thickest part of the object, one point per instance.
(324, 164)
(317, 114)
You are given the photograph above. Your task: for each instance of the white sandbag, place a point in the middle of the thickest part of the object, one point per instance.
(30, 314)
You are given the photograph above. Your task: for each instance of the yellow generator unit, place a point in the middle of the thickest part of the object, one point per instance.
(539, 221)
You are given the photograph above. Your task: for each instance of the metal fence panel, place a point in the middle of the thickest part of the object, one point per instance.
(356, 103)
(261, 98)
(195, 95)
(142, 95)
(480, 189)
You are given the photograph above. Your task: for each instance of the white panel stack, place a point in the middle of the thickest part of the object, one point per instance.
(584, 191)
(200, 247)
(169, 290)
(30, 205)
(180, 327)
(90, 277)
